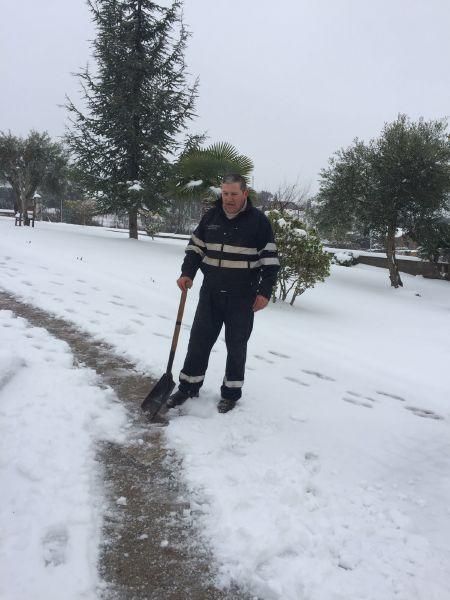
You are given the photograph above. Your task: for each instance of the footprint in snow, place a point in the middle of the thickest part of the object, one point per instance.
(279, 354)
(27, 283)
(137, 321)
(117, 297)
(319, 375)
(160, 316)
(311, 456)
(10, 371)
(116, 303)
(81, 281)
(56, 282)
(163, 335)
(259, 357)
(424, 413)
(295, 380)
(312, 462)
(298, 418)
(54, 545)
(100, 312)
(350, 393)
(388, 395)
(80, 293)
(358, 402)
(125, 331)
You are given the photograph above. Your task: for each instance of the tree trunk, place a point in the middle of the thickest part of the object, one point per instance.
(394, 274)
(24, 210)
(132, 223)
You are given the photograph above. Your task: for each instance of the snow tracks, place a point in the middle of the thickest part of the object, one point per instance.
(149, 547)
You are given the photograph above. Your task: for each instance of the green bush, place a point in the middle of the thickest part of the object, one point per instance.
(303, 261)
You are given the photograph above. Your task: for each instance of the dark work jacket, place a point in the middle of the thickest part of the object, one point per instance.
(235, 255)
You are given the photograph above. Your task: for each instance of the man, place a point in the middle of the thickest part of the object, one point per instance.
(233, 246)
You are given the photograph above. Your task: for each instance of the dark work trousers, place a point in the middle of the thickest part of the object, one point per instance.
(214, 309)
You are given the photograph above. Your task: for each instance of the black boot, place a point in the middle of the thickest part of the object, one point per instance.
(225, 405)
(179, 398)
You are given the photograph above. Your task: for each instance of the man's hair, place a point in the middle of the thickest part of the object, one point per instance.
(235, 178)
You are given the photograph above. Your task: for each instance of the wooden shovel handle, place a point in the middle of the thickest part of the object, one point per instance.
(176, 332)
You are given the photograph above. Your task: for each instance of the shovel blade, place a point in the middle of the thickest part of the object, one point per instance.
(158, 395)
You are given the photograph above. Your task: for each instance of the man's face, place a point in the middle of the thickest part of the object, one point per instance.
(233, 198)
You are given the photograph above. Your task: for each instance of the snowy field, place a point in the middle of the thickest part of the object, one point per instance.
(329, 481)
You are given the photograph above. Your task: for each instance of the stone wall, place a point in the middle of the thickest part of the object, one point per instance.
(413, 267)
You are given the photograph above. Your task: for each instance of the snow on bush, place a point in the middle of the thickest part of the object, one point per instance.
(303, 261)
(152, 222)
(345, 258)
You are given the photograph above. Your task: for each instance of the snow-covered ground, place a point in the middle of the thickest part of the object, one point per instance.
(329, 481)
(51, 415)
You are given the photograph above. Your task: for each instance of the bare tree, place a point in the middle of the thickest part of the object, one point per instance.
(291, 196)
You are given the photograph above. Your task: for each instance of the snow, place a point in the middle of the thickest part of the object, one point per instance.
(344, 258)
(329, 481)
(300, 232)
(51, 415)
(135, 186)
(357, 253)
(192, 184)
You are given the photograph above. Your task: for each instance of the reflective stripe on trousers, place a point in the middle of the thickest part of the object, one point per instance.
(214, 310)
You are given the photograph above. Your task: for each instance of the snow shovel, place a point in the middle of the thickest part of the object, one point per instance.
(159, 394)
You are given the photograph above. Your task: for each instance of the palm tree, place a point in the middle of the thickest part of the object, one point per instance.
(200, 171)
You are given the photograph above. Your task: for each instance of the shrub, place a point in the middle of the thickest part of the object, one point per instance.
(345, 258)
(152, 222)
(303, 260)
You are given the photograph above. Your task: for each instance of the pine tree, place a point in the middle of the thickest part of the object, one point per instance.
(137, 103)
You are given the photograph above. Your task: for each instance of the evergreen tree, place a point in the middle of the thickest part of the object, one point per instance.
(433, 236)
(137, 103)
(400, 180)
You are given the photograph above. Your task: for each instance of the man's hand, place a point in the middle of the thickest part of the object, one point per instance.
(184, 283)
(260, 303)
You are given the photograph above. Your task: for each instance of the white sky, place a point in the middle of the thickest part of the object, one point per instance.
(288, 83)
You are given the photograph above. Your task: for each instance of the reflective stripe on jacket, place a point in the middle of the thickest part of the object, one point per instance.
(236, 255)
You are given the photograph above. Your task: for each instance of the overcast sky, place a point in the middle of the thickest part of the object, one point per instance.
(288, 82)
